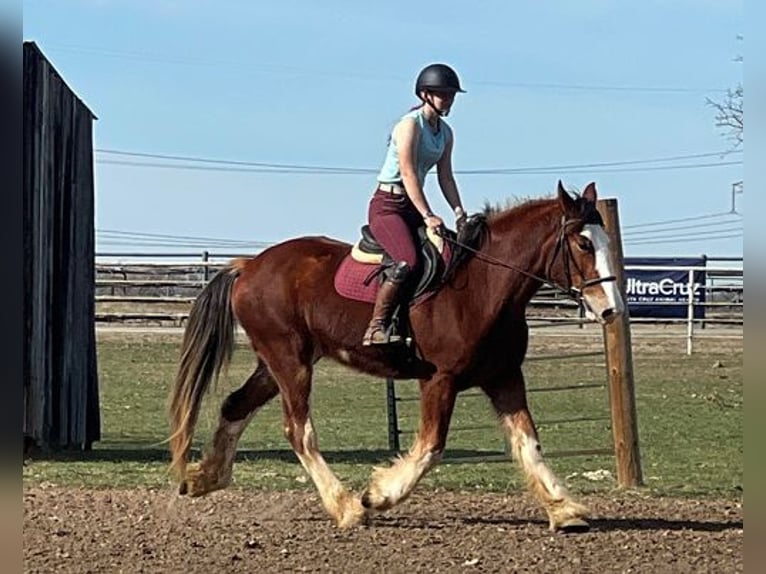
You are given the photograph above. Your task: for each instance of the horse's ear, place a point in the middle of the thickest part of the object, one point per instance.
(565, 200)
(590, 192)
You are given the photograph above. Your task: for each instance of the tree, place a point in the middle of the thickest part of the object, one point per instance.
(729, 115)
(729, 112)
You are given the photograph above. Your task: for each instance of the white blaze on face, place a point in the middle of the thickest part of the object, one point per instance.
(600, 241)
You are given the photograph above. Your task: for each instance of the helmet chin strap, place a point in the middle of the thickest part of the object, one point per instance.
(429, 100)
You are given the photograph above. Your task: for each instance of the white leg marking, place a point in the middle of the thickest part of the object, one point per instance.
(533, 463)
(312, 460)
(528, 451)
(342, 506)
(397, 482)
(563, 512)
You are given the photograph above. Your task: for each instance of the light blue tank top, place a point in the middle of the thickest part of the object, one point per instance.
(430, 149)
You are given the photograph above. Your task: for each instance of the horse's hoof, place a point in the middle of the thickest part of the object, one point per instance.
(200, 481)
(352, 514)
(573, 526)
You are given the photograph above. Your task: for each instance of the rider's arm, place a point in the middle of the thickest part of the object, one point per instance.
(407, 134)
(447, 181)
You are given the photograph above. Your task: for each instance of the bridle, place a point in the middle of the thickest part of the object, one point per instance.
(562, 247)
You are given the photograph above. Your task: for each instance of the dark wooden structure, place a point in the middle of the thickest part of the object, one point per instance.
(61, 406)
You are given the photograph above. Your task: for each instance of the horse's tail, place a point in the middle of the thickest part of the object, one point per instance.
(206, 350)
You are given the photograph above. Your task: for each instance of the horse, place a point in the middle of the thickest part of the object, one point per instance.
(471, 333)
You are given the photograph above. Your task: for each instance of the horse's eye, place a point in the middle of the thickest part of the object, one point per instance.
(584, 244)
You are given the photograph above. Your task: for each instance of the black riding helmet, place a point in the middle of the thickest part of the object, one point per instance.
(437, 78)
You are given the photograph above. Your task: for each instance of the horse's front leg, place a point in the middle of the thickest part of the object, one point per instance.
(510, 401)
(392, 485)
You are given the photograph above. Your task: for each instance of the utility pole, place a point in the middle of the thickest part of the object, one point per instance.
(736, 187)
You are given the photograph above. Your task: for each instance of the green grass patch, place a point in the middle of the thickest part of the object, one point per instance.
(690, 419)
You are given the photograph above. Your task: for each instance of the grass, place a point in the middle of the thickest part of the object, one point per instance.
(689, 410)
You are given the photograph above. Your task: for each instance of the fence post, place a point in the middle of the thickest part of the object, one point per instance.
(690, 314)
(206, 268)
(703, 322)
(619, 362)
(393, 419)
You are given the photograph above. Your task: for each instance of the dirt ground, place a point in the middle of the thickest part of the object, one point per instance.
(78, 530)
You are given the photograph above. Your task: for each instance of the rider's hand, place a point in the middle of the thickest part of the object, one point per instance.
(433, 221)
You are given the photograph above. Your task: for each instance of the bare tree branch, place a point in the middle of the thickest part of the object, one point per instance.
(729, 115)
(729, 112)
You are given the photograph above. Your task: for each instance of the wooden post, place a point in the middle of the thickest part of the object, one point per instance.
(619, 363)
(206, 267)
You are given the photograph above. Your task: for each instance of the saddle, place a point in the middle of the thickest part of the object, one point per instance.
(363, 269)
(434, 257)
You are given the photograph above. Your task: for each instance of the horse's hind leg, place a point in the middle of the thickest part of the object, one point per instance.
(294, 380)
(214, 471)
(510, 402)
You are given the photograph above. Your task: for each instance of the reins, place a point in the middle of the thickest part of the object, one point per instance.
(561, 246)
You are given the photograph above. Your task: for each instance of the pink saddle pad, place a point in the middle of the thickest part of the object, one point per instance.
(350, 277)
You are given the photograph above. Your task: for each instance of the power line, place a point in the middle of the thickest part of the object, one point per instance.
(292, 70)
(327, 171)
(172, 238)
(689, 237)
(205, 160)
(210, 164)
(654, 232)
(603, 164)
(114, 237)
(681, 220)
(630, 169)
(228, 169)
(692, 240)
(190, 245)
(661, 235)
(602, 88)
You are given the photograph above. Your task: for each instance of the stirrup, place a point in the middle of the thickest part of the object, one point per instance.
(380, 335)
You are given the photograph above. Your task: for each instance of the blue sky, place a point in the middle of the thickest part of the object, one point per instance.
(295, 83)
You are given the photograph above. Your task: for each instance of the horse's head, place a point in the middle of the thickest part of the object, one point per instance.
(583, 258)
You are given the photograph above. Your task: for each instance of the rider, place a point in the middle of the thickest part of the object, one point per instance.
(420, 140)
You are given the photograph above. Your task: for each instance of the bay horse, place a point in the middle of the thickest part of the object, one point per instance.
(471, 333)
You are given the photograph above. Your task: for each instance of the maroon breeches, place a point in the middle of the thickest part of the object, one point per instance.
(394, 221)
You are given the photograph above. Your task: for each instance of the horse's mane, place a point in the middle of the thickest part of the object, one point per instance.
(586, 210)
(498, 215)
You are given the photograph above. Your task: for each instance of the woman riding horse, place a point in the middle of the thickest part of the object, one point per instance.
(399, 205)
(473, 332)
